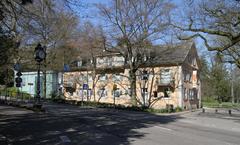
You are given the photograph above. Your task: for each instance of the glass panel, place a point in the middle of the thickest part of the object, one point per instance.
(102, 77)
(165, 76)
(116, 77)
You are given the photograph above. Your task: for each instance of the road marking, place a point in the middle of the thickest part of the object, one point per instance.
(168, 129)
(65, 139)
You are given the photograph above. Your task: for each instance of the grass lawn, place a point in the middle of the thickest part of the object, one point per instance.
(223, 105)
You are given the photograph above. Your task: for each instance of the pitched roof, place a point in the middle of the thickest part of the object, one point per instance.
(165, 55)
(169, 55)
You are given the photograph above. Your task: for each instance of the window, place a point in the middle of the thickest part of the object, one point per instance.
(196, 93)
(70, 90)
(117, 93)
(155, 94)
(190, 78)
(128, 91)
(185, 94)
(190, 92)
(116, 77)
(90, 77)
(102, 92)
(100, 61)
(165, 76)
(109, 61)
(70, 82)
(144, 75)
(79, 63)
(187, 77)
(102, 77)
(89, 91)
(85, 77)
(193, 94)
(194, 78)
(166, 92)
(118, 61)
(144, 92)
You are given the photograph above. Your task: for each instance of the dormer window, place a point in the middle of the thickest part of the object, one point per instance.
(79, 63)
(102, 77)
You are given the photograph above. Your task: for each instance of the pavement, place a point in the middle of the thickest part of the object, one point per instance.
(64, 124)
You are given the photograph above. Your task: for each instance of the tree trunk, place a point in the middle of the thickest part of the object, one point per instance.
(232, 87)
(132, 74)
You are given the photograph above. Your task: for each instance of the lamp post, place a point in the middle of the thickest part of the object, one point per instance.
(40, 55)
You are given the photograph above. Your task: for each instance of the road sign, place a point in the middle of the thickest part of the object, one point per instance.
(19, 74)
(66, 68)
(85, 86)
(17, 67)
(18, 80)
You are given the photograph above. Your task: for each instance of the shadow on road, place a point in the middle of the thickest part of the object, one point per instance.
(64, 124)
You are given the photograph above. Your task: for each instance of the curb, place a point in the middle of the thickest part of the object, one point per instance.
(177, 113)
(24, 106)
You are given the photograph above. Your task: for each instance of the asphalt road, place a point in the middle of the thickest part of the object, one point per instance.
(72, 125)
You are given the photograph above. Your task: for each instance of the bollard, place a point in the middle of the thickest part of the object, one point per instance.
(230, 112)
(203, 110)
(216, 111)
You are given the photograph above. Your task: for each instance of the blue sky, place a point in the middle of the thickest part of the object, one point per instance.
(90, 13)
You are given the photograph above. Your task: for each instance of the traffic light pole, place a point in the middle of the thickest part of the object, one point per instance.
(38, 97)
(40, 55)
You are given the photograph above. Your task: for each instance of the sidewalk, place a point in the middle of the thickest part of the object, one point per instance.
(220, 120)
(27, 104)
(10, 110)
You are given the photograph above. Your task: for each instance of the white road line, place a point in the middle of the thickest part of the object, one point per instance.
(65, 139)
(164, 128)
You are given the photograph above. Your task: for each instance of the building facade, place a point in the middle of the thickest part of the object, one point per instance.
(29, 83)
(171, 78)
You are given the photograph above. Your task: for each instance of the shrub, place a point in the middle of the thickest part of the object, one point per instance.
(14, 92)
(26, 95)
(120, 107)
(178, 109)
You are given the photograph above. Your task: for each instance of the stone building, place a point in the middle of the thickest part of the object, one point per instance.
(167, 76)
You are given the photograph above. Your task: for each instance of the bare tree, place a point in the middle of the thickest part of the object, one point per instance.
(91, 45)
(217, 23)
(50, 26)
(133, 26)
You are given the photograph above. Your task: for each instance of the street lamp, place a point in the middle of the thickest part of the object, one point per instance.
(40, 55)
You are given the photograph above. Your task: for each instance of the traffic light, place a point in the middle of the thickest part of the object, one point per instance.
(114, 87)
(18, 79)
